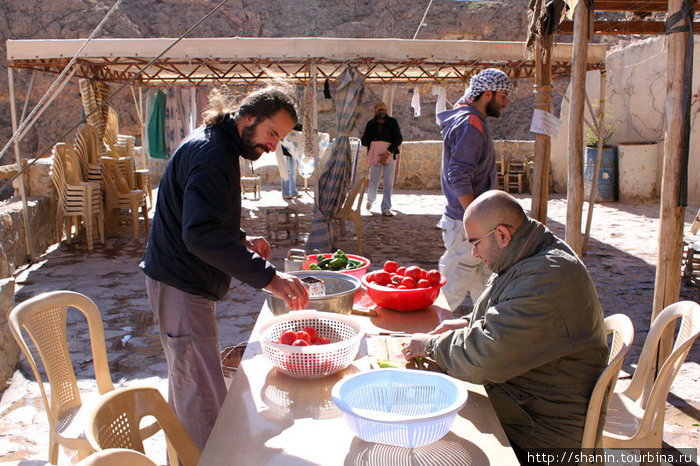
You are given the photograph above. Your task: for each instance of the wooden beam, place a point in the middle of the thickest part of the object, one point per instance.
(543, 101)
(622, 27)
(574, 189)
(645, 6)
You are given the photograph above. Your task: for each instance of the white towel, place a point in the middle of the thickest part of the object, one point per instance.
(415, 102)
(441, 104)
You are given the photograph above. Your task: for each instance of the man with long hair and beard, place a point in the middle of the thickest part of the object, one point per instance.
(196, 245)
(468, 170)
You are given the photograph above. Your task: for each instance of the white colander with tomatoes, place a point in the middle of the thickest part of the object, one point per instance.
(403, 288)
(310, 344)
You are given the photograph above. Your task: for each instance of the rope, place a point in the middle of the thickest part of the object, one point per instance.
(60, 77)
(107, 101)
(422, 20)
(685, 13)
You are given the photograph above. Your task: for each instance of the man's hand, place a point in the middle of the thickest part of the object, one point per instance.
(447, 325)
(415, 348)
(259, 245)
(289, 288)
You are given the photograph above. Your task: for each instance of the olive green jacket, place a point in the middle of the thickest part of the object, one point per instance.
(536, 341)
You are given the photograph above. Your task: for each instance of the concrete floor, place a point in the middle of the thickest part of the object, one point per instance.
(621, 258)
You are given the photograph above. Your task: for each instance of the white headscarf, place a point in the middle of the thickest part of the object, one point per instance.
(490, 79)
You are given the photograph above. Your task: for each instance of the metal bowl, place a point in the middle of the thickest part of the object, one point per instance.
(340, 293)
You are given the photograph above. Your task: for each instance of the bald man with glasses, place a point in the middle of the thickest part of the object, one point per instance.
(536, 339)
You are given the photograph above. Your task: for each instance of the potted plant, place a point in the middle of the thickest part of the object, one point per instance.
(607, 175)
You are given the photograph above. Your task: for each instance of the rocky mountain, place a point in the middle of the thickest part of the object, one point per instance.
(63, 19)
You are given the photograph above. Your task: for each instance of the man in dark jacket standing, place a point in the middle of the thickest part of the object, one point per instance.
(196, 245)
(536, 339)
(382, 137)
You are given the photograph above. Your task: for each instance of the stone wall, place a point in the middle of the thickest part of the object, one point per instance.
(419, 165)
(9, 351)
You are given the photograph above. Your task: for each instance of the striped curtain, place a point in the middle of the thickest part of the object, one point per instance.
(334, 181)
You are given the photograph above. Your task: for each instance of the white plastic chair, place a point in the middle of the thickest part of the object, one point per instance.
(622, 336)
(43, 317)
(637, 421)
(115, 420)
(117, 457)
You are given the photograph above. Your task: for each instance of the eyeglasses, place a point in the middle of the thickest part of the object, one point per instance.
(475, 242)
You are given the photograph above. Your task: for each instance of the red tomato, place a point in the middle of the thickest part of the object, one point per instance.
(300, 342)
(396, 279)
(390, 266)
(288, 337)
(434, 277)
(313, 334)
(408, 282)
(391, 285)
(401, 270)
(322, 341)
(423, 274)
(303, 335)
(382, 278)
(414, 272)
(370, 277)
(401, 287)
(423, 283)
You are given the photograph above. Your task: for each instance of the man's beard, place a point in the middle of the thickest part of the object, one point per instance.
(492, 109)
(249, 145)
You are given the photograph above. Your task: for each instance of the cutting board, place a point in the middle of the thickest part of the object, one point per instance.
(386, 348)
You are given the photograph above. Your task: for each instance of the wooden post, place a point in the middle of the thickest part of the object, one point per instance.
(20, 179)
(668, 265)
(574, 190)
(598, 158)
(543, 101)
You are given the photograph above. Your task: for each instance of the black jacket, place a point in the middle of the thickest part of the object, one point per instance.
(388, 131)
(195, 241)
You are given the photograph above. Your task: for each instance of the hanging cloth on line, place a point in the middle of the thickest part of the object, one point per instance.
(156, 128)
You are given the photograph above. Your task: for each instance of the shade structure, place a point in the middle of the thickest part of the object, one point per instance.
(247, 60)
(332, 186)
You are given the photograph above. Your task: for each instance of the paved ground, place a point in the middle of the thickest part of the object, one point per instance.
(621, 258)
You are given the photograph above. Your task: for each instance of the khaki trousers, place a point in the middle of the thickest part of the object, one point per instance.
(190, 338)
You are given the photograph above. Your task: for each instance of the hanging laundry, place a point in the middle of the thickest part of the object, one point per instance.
(388, 98)
(156, 128)
(202, 104)
(178, 117)
(415, 102)
(326, 89)
(441, 104)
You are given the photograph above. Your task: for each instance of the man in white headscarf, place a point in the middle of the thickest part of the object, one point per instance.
(468, 170)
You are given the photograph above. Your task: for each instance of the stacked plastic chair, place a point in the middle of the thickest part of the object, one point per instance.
(76, 198)
(119, 194)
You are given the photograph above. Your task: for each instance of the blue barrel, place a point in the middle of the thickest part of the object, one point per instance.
(607, 177)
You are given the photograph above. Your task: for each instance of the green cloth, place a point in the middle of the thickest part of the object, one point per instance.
(156, 129)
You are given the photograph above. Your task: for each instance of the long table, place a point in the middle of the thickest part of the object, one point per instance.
(271, 418)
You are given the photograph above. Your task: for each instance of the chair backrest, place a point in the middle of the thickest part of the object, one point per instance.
(349, 205)
(117, 457)
(114, 422)
(71, 162)
(87, 144)
(115, 181)
(43, 318)
(622, 336)
(654, 404)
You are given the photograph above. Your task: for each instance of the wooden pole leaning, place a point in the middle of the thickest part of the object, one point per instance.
(598, 158)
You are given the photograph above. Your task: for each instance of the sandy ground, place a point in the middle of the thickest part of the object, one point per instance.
(621, 258)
